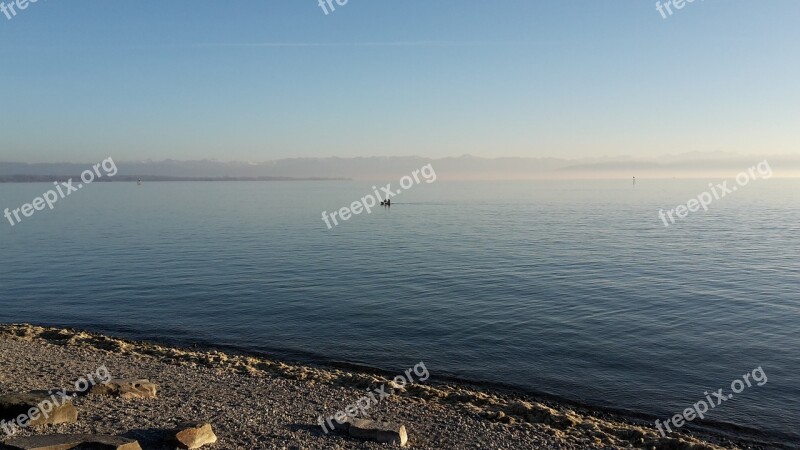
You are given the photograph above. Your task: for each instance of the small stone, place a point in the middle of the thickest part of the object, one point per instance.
(133, 388)
(194, 435)
(51, 409)
(397, 386)
(66, 442)
(384, 432)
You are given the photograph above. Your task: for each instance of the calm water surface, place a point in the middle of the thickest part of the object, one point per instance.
(569, 288)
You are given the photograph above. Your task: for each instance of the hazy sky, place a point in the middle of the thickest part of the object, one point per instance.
(81, 80)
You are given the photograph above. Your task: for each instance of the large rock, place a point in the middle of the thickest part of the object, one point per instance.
(126, 388)
(385, 432)
(50, 409)
(67, 442)
(194, 435)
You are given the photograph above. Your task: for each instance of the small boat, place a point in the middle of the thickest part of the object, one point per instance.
(139, 182)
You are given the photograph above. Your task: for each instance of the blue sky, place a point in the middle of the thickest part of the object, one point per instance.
(81, 80)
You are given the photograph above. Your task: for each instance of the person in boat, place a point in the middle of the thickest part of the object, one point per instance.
(388, 202)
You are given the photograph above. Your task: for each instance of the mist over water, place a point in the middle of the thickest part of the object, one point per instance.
(570, 288)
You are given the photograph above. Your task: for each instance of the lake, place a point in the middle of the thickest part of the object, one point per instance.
(571, 288)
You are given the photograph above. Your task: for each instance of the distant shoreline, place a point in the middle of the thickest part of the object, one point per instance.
(154, 178)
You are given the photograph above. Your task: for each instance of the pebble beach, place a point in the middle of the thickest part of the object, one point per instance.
(258, 403)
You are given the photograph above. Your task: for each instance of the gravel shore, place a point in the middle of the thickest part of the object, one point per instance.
(258, 403)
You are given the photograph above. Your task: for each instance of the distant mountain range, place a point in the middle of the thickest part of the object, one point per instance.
(379, 168)
(131, 178)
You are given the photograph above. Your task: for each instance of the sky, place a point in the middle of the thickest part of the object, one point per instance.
(257, 80)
